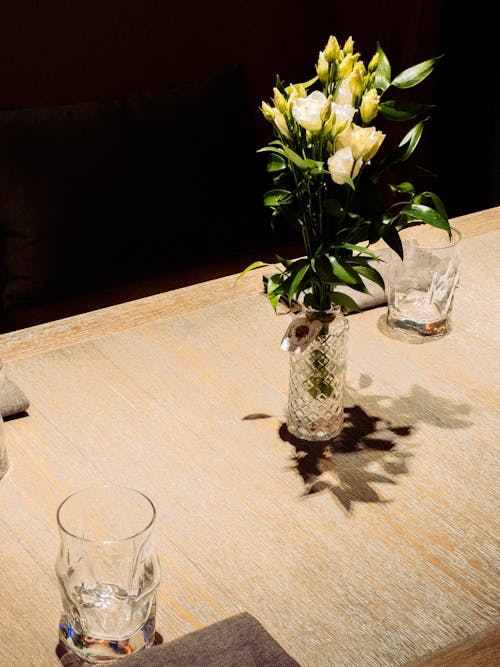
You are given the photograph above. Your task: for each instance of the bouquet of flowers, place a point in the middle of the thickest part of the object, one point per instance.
(332, 180)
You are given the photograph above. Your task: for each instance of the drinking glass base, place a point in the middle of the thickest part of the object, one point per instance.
(98, 649)
(409, 327)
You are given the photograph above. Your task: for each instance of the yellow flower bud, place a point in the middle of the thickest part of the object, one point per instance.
(369, 105)
(360, 65)
(345, 67)
(356, 80)
(326, 111)
(281, 124)
(341, 126)
(301, 89)
(292, 93)
(280, 101)
(332, 49)
(372, 66)
(348, 46)
(322, 68)
(328, 127)
(268, 112)
(378, 138)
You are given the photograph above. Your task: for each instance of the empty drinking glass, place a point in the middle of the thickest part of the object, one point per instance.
(108, 572)
(421, 287)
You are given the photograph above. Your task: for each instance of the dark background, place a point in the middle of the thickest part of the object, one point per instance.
(58, 52)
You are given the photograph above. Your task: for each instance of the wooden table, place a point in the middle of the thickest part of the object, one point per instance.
(365, 558)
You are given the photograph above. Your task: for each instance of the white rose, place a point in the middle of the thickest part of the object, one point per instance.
(343, 112)
(307, 110)
(343, 94)
(342, 165)
(363, 141)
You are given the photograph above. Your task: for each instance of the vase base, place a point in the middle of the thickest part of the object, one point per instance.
(319, 431)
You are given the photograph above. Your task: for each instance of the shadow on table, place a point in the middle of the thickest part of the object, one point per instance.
(365, 453)
(348, 466)
(419, 405)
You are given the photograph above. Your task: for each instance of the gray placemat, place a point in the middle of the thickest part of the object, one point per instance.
(237, 641)
(13, 400)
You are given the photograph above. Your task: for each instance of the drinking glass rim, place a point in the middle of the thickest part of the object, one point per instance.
(451, 243)
(105, 486)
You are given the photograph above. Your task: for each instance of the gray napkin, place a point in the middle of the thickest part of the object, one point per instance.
(13, 400)
(237, 641)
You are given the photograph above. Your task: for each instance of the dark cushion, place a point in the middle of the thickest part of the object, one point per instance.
(96, 191)
(237, 641)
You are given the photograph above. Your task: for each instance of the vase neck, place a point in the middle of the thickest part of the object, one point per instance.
(323, 314)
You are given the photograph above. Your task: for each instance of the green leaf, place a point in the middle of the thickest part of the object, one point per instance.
(309, 300)
(310, 82)
(280, 85)
(345, 273)
(251, 267)
(345, 301)
(383, 71)
(274, 299)
(436, 202)
(413, 75)
(322, 267)
(274, 289)
(356, 248)
(300, 162)
(286, 262)
(296, 280)
(276, 163)
(391, 237)
(427, 215)
(393, 110)
(411, 139)
(372, 274)
(319, 170)
(277, 197)
(405, 187)
(348, 181)
(274, 285)
(272, 149)
(360, 287)
(357, 260)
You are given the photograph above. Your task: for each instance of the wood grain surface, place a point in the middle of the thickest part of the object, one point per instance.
(481, 650)
(381, 551)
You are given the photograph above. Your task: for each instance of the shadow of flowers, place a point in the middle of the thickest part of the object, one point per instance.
(368, 452)
(348, 466)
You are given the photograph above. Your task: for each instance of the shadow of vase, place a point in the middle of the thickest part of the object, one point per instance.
(370, 450)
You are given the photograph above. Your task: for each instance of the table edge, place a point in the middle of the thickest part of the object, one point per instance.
(86, 326)
(474, 651)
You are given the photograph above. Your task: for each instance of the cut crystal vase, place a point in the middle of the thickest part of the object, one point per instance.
(317, 380)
